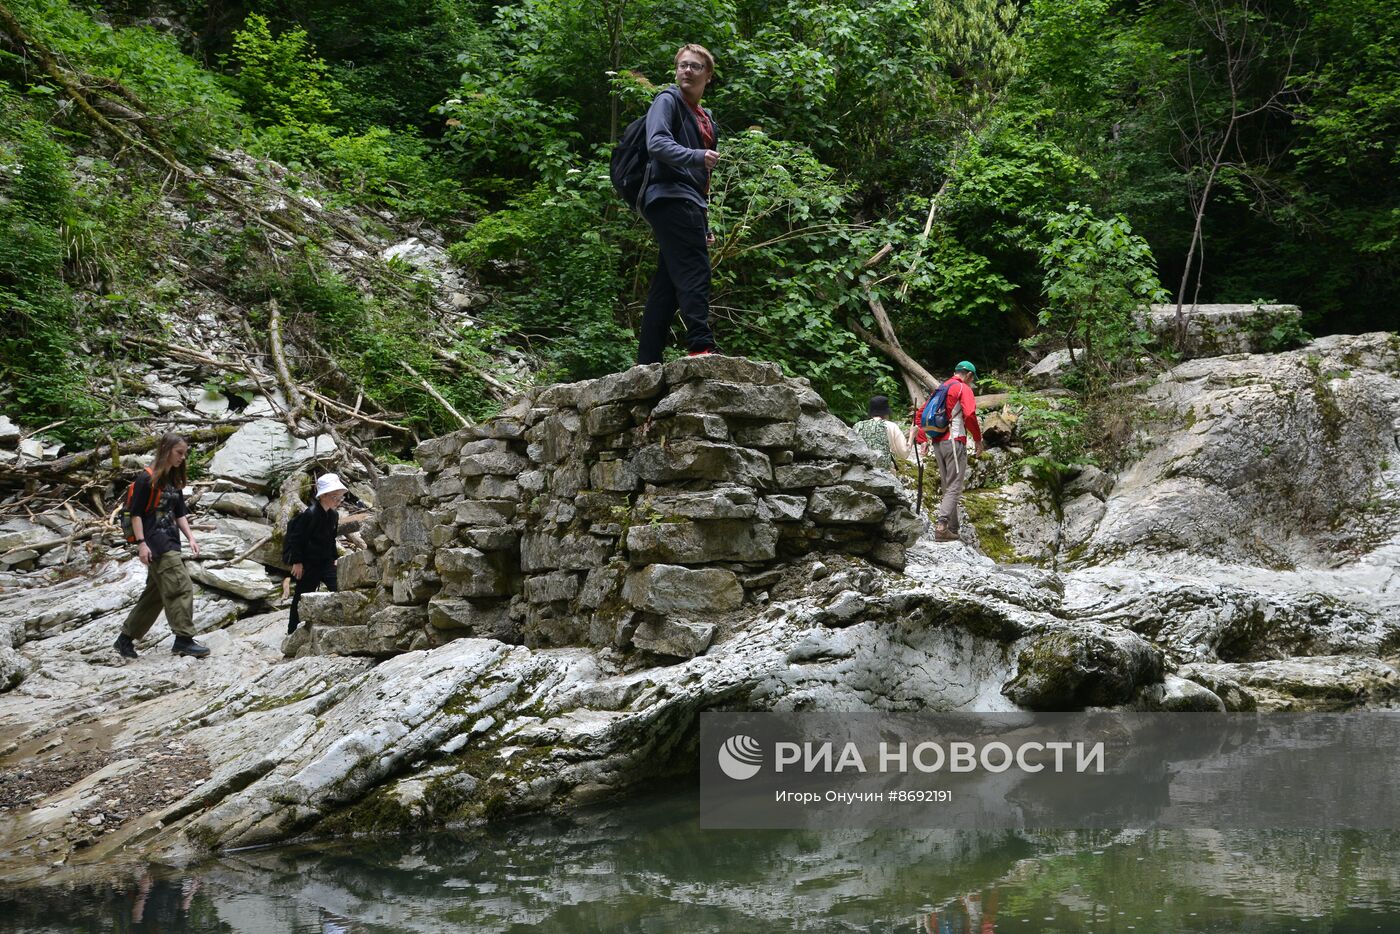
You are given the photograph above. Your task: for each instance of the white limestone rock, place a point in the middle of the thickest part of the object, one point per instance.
(263, 451)
(246, 579)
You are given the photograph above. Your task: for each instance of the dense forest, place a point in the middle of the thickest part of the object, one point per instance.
(1037, 170)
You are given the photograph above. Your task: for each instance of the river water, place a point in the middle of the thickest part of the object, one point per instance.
(647, 866)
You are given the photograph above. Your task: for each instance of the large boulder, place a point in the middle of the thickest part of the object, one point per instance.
(667, 588)
(262, 452)
(1213, 330)
(246, 579)
(1091, 666)
(1265, 460)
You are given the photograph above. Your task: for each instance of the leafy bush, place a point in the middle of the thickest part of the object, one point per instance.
(38, 323)
(187, 103)
(786, 266)
(371, 338)
(288, 90)
(567, 245)
(1098, 274)
(377, 167)
(498, 130)
(280, 78)
(1055, 434)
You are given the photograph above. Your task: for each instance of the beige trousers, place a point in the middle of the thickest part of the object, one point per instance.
(952, 475)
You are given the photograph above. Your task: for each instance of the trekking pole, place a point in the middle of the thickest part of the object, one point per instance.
(919, 497)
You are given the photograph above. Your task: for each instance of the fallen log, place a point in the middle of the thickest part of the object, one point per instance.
(56, 470)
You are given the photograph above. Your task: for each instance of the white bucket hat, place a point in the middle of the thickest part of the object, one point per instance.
(328, 483)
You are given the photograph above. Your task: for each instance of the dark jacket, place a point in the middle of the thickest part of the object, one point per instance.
(311, 536)
(677, 168)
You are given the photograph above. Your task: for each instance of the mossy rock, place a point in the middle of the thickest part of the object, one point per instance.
(1091, 667)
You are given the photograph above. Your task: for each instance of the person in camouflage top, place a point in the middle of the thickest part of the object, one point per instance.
(882, 435)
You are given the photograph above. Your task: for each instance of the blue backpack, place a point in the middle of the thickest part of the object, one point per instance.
(934, 418)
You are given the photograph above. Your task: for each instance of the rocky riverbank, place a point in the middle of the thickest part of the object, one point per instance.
(1245, 559)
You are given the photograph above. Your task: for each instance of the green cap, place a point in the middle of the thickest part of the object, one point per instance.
(965, 365)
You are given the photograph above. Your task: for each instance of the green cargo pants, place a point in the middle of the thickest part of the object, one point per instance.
(168, 587)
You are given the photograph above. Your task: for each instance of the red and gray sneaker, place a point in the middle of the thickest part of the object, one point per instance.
(707, 352)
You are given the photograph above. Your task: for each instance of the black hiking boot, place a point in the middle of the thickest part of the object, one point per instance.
(124, 646)
(184, 645)
(291, 627)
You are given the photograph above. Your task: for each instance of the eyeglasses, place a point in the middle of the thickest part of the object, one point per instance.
(690, 66)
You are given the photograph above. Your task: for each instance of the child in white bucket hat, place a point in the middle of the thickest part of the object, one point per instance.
(309, 546)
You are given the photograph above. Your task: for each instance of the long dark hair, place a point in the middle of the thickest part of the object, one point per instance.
(163, 472)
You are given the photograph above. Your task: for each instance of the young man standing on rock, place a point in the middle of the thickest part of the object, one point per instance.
(158, 517)
(681, 139)
(950, 448)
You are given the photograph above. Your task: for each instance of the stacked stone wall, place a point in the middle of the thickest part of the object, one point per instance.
(636, 511)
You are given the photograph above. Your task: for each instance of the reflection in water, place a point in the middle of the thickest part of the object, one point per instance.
(646, 866)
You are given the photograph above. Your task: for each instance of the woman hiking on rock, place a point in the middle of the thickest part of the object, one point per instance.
(158, 516)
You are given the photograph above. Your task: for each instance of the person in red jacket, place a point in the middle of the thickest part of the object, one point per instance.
(950, 448)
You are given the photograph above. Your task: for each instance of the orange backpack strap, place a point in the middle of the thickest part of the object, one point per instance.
(153, 500)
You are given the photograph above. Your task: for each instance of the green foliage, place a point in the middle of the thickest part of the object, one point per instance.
(371, 338)
(379, 166)
(560, 272)
(877, 89)
(496, 128)
(1276, 333)
(1098, 273)
(184, 100)
(392, 60)
(289, 91)
(1307, 204)
(1055, 434)
(786, 261)
(1013, 246)
(38, 322)
(280, 78)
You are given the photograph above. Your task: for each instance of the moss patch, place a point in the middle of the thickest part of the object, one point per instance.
(378, 812)
(1329, 413)
(982, 511)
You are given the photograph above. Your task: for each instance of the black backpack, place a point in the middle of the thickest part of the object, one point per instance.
(630, 165)
(297, 524)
